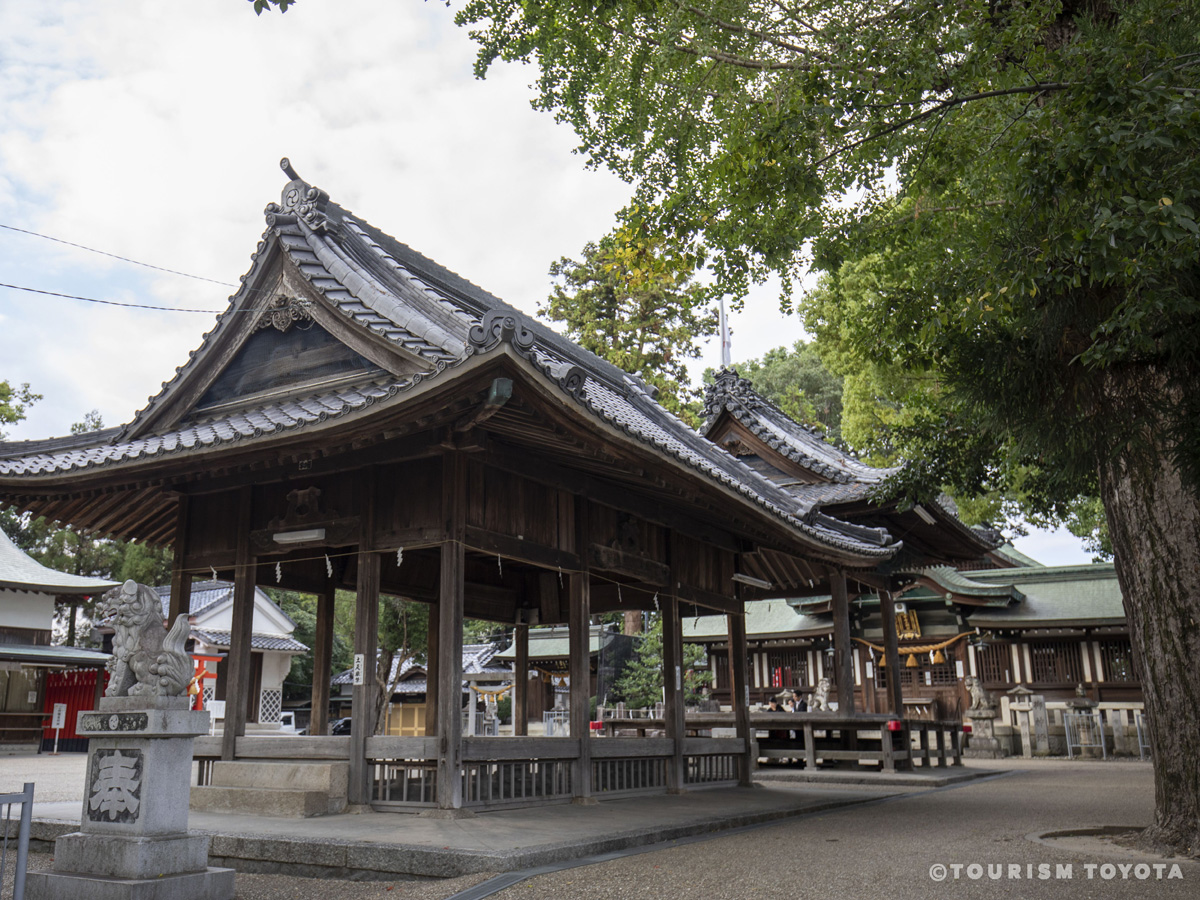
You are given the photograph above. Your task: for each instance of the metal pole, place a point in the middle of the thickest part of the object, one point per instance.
(23, 842)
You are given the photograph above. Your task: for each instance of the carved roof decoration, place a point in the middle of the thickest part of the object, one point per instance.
(416, 321)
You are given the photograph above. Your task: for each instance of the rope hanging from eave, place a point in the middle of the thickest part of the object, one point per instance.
(924, 648)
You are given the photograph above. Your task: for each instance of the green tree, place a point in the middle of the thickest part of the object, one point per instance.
(1027, 174)
(13, 403)
(799, 383)
(633, 303)
(641, 684)
(68, 550)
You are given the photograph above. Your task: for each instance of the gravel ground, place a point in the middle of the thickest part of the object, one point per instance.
(285, 887)
(879, 850)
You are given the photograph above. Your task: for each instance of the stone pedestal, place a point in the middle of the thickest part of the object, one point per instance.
(982, 744)
(133, 841)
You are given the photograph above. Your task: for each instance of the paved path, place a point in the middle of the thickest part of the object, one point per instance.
(884, 848)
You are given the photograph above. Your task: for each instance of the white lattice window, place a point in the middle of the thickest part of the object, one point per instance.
(210, 694)
(270, 703)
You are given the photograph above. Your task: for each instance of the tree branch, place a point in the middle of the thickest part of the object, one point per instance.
(943, 105)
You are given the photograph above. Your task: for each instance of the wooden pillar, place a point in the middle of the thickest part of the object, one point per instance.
(891, 653)
(739, 693)
(672, 642)
(450, 626)
(580, 668)
(891, 658)
(237, 690)
(843, 661)
(363, 699)
(181, 582)
(520, 705)
(322, 661)
(431, 671)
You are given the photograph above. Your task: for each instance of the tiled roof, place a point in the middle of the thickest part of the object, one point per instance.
(21, 572)
(220, 638)
(207, 594)
(441, 319)
(267, 419)
(799, 443)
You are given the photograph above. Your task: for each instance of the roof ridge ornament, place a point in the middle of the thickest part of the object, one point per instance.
(501, 325)
(299, 200)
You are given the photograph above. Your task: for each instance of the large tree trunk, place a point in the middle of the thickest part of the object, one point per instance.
(1154, 520)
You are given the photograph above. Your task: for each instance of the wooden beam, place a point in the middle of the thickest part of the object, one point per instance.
(515, 548)
(617, 496)
(843, 661)
(450, 629)
(237, 690)
(638, 567)
(709, 600)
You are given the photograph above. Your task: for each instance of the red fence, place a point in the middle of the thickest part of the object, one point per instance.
(77, 689)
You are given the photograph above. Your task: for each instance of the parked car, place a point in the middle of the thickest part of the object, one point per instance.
(341, 726)
(287, 724)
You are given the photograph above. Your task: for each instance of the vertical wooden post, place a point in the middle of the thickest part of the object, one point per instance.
(739, 692)
(581, 678)
(579, 623)
(891, 654)
(431, 671)
(843, 663)
(450, 626)
(181, 582)
(322, 661)
(237, 691)
(672, 642)
(366, 642)
(520, 705)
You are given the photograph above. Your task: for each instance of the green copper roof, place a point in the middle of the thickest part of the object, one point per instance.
(764, 618)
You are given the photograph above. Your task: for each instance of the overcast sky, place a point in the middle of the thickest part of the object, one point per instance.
(154, 130)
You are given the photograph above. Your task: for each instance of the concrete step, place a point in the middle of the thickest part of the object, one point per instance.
(248, 801)
(331, 778)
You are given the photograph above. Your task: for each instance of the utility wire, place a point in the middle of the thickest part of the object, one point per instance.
(17, 287)
(115, 256)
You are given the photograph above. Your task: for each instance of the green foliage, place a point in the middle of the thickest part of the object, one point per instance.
(260, 6)
(13, 403)
(641, 684)
(302, 609)
(632, 302)
(1024, 176)
(800, 384)
(504, 708)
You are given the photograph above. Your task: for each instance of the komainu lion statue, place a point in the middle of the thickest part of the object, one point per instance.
(819, 701)
(148, 660)
(980, 699)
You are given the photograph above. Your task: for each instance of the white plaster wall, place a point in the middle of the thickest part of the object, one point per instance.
(221, 619)
(275, 668)
(24, 609)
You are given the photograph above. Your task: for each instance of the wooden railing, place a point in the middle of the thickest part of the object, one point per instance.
(830, 737)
